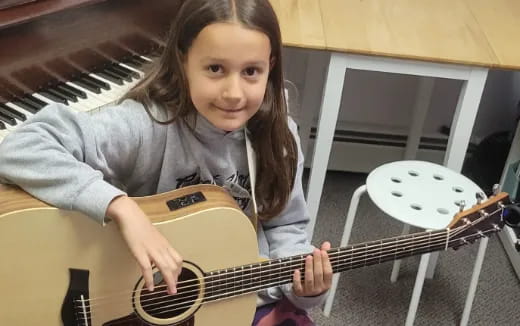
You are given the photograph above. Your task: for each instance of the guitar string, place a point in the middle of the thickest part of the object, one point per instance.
(228, 295)
(337, 251)
(285, 275)
(291, 265)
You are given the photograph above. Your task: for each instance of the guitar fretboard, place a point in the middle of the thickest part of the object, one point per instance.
(225, 283)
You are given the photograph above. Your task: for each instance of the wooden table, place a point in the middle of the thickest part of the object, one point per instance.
(430, 39)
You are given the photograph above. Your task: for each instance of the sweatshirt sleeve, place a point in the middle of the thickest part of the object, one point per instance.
(286, 234)
(73, 160)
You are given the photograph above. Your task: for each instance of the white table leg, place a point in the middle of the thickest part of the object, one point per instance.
(464, 118)
(326, 125)
(315, 73)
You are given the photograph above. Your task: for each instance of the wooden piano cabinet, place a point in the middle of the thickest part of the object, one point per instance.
(55, 40)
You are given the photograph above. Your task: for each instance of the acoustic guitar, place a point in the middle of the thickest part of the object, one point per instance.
(59, 267)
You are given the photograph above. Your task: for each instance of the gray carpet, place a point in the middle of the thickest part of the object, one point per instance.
(367, 297)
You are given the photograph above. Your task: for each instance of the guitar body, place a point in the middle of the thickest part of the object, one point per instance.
(41, 246)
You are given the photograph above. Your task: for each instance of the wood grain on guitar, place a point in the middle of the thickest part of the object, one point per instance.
(68, 270)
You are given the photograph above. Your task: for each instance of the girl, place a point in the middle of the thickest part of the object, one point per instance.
(219, 81)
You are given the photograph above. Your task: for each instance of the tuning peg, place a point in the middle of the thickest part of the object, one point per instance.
(461, 204)
(496, 189)
(480, 197)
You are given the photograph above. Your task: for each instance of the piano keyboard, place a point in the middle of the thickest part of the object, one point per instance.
(87, 93)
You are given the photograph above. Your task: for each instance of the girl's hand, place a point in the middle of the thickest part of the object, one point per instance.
(318, 274)
(146, 243)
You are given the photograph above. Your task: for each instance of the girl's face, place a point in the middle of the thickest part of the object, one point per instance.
(227, 67)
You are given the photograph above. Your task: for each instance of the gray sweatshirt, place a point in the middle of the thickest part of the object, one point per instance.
(81, 161)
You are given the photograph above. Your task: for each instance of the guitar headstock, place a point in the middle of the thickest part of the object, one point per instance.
(479, 221)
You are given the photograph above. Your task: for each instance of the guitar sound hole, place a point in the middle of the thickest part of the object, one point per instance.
(160, 304)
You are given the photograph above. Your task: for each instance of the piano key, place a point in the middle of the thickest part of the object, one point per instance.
(21, 102)
(86, 85)
(74, 90)
(136, 70)
(117, 90)
(27, 113)
(139, 59)
(35, 101)
(110, 77)
(7, 119)
(67, 96)
(118, 74)
(133, 63)
(129, 72)
(12, 112)
(96, 81)
(95, 98)
(49, 96)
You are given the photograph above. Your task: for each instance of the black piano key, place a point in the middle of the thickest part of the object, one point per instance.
(97, 81)
(76, 91)
(2, 126)
(7, 119)
(132, 63)
(35, 101)
(53, 97)
(110, 77)
(87, 85)
(26, 106)
(65, 95)
(139, 59)
(116, 73)
(125, 70)
(12, 112)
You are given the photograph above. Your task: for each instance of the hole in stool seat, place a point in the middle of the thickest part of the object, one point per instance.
(413, 173)
(438, 177)
(417, 207)
(397, 194)
(395, 179)
(442, 210)
(458, 189)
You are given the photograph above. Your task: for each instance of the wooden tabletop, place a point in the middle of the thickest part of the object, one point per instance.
(300, 22)
(500, 22)
(470, 32)
(431, 30)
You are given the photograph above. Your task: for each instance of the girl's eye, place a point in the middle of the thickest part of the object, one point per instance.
(214, 68)
(251, 71)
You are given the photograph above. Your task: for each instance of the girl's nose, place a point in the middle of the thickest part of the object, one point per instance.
(233, 90)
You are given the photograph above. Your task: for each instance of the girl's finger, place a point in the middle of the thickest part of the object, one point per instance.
(297, 283)
(309, 274)
(327, 269)
(318, 269)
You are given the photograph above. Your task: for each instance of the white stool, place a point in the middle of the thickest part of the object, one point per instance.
(420, 194)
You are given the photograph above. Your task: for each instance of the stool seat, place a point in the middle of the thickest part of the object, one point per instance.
(421, 194)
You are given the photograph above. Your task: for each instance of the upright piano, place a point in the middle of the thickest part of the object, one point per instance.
(84, 54)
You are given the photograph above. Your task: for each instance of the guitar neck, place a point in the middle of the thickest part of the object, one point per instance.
(244, 279)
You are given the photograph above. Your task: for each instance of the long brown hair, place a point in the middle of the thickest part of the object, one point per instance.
(166, 85)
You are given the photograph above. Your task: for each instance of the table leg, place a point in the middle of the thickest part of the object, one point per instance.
(326, 126)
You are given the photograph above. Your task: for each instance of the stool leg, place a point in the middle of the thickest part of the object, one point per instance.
(474, 281)
(417, 289)
(349, 222)
(431, 266)
(397, 263)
